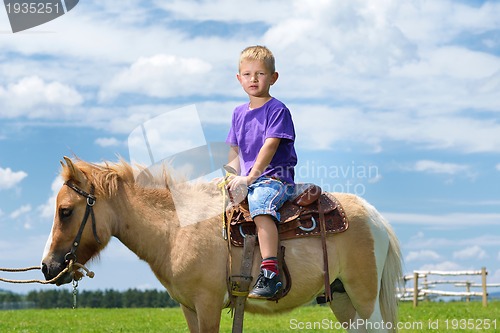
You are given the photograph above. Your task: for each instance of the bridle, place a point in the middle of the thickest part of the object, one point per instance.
(91, 200)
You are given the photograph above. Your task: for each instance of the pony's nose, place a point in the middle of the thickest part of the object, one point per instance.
(45, 270)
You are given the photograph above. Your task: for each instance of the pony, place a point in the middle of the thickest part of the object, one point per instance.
(190, 260)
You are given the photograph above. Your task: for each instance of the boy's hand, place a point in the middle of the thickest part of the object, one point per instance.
(237, 186)
(235, 182)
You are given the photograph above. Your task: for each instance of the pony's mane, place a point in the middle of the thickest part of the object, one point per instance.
(106, 177)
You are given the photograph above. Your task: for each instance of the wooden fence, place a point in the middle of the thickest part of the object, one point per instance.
(418, 293)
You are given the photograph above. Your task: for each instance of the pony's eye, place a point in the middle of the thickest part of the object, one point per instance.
(65, 212)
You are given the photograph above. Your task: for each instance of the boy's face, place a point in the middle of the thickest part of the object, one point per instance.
(255, 78)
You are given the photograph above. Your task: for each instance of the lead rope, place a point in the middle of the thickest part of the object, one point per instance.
(69, 268)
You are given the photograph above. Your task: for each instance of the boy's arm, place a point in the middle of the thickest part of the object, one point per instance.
(234, 160)
(264, 157)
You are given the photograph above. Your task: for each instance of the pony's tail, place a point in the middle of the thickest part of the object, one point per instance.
(391, 279)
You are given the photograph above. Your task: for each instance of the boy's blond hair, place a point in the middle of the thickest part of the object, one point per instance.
(260, 53)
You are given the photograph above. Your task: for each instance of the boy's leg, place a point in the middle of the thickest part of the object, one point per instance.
(264, 199)
(268, 283)
(268, 235)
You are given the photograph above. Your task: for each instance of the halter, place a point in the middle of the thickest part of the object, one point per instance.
(91, 199)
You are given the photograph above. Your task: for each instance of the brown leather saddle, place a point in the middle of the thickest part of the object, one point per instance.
(308, 213)
(299, 216)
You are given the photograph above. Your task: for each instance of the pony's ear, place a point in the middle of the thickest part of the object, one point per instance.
(73, 172)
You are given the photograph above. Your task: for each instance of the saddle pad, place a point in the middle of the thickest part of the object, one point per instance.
(295, 221)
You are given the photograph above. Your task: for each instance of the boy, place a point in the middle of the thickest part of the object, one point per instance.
(262, 153)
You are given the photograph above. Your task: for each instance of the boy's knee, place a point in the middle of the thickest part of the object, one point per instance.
(263, 219)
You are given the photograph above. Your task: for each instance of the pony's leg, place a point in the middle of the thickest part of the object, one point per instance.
(204, 319)
(342, 307)
(191, 319)
(368, 317)
(374, 324)
(209, 318)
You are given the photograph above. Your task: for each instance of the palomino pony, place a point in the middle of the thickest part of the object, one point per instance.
(191, 260)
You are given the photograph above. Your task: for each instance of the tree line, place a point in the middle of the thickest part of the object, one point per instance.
(61, 298)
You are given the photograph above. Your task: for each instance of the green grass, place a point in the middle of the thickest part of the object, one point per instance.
(428, 317)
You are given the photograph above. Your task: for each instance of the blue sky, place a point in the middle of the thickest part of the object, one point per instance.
(396, 101)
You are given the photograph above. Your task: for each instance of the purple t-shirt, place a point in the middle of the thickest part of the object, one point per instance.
(249, 130)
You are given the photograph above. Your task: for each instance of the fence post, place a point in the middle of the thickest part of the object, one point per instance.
(415, 289)
(425, 285)
(467, 289)
(485, 291)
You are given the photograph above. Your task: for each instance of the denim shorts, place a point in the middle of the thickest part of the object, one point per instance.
(266, 195)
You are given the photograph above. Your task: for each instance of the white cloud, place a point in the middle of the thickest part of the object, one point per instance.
(352, 38)
(439, 167)
(20, 211)
(385, 65)
(422, 255)
(441, 266)
(269, 11)
(410, 90)
(370, 129)
(450, 170)
(373, 180)
(26, 252)
(161, 75)
(440, 220)
(22, 216)
(171, 133)
(98, 34)
(108, 142)
(30, 95)
(431, 22)
(452, 62)
(357, 44)
(47, 210)
(471, 252)
(9, 178)
(441, 243)
(461, 203)
(497, 166)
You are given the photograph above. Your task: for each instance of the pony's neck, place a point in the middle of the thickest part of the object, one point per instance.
(151, 222)
(145, 216)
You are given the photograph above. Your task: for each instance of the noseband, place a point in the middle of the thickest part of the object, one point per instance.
(91, 199)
